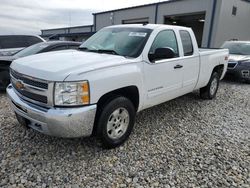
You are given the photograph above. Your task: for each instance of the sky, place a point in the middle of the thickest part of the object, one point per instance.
(30, 16)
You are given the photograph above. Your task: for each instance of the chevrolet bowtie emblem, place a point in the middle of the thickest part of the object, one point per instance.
(19, 84)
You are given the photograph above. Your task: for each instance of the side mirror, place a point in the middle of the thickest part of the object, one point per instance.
(162, 53)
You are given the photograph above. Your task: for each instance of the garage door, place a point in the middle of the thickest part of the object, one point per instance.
(195, 21)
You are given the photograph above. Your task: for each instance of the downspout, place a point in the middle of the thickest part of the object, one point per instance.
(156, 12)
(212, 24)
(94, 22)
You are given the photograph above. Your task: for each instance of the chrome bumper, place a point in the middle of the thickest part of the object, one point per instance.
(60, 122)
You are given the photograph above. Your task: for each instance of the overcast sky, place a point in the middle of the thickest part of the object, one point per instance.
(30, 16)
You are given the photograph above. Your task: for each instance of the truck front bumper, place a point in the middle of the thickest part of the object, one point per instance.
(59, 122)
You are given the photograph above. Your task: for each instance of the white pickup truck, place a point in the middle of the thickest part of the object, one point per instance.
(119, 71)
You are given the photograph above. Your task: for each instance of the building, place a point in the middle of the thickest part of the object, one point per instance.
(78, 33)
(213, 21)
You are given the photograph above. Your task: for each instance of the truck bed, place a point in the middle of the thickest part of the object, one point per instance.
(210, 58)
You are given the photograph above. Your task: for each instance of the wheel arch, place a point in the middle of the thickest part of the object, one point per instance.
(130, 92)
(219, 69)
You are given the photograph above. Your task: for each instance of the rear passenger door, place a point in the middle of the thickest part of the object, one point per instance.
(190, 61)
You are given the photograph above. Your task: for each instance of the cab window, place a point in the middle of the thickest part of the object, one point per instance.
(187, 43)
(165, 39)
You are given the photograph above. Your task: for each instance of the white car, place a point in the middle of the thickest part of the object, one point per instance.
(117, 72)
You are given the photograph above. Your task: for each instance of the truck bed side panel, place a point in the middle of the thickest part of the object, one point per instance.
(209, 59)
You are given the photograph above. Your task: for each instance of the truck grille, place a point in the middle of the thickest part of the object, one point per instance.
(32, 96)
(30, 89)
(18, 76)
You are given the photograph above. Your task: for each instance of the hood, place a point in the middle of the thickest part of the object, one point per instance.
(233, 57)
(56, 66)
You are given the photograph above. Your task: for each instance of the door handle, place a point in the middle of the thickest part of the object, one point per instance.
(178, 66)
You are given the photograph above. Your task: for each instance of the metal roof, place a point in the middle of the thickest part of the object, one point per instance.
(68, 34)
(138, 6)
(145, 5)
(82, 26)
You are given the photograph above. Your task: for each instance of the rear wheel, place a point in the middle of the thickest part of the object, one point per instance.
(210, 91)
(116, 122)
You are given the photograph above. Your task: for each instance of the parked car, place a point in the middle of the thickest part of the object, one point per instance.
(117, 72)
(42, 47)
(239, 59)
(11, 44)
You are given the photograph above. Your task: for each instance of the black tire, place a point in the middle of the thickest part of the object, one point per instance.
(22, 121)
(207, 92)
(4, 80)
(106, 115)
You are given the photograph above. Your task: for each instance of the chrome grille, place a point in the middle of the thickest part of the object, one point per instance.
(30, 89)
(32, 96)
(26, 80)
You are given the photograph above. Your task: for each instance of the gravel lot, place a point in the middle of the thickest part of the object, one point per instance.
(186, 142)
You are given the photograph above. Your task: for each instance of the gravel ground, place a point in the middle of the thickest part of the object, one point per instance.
(186, 142)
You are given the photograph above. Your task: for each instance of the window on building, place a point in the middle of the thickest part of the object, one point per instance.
(187, 43)
(234, 11)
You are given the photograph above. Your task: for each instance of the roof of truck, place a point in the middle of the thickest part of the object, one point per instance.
(148, 26)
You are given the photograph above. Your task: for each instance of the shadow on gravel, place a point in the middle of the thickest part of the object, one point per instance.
(2, 91)
(233, 80)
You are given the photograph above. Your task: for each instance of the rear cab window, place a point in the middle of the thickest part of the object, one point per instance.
(187, 43)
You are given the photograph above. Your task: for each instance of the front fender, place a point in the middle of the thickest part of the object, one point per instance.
(103, 81)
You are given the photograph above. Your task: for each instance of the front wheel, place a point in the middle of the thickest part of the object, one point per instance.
(210, 91)
(21, 120)
(116, 122)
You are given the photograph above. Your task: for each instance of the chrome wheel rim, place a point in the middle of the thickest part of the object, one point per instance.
(118, 123)
(213, 87)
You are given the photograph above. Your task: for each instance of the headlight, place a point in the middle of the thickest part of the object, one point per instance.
(71, 93)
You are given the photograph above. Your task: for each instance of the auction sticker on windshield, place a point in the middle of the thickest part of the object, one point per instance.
(137, 34)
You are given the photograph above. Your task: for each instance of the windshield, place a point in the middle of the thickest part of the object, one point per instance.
(237, 48)
(128, 42)
(34, 49)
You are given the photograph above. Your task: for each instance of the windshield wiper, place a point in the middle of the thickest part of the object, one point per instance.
(107, 51)
(83, 48)
(101, 51)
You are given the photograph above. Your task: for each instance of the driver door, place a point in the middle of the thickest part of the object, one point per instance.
(163, 78)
